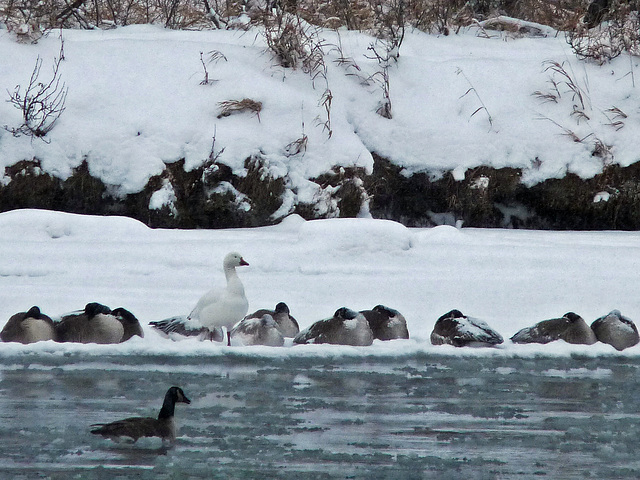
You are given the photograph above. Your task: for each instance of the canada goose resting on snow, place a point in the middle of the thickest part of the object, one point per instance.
(386, 323)
(570, 327)
(346, 327)
(616, 330)
(135, 427)
(28, 327)
(287, 325)
(256, 331)
(456, 329)
(98, 324)
(220, 307)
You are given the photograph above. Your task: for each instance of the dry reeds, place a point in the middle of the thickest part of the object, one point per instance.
(231, 107)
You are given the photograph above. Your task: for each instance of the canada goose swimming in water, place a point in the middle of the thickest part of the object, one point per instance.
(616, 330)
(256, 331)
(346, 327)
(135, 427)
(456, 329)
(386, 323)
(220, 307)
(287, 325)
(28, 327)
(98, 324)
(570, 327)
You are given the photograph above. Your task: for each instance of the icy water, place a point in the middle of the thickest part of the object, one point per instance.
(421, 416)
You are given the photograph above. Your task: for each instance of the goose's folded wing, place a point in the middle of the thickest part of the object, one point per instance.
(134, 428)
(187, 327)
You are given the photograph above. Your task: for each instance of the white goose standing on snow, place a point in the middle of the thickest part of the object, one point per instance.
(218, 308)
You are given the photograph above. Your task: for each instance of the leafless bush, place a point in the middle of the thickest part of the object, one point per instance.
(41, 103)
(294, 42)
(383, 53)
(616, 30)
(297, 44)
(31, 18)
(239, 106)
(28, 19)
(390, 19)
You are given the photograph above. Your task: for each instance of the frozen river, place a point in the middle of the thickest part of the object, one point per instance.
(419, 416)
(394, 410)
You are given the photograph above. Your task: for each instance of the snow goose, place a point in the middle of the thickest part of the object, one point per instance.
(220, 307)
(616, 330)
(135, 427)
(287, 325)
(28, 327)
(570, 327)
(97, 323)
(386, 323)
(456, 329)
(256, 331)
(346, 327)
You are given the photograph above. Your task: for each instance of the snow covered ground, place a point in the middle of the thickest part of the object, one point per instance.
(509, 278)
(136, 101)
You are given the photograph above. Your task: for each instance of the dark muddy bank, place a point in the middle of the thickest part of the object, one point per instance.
(212, 196)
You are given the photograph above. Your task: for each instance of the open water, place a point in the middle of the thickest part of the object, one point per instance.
(421, 416)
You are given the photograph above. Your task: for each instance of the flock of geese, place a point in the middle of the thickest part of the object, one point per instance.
(221, 316)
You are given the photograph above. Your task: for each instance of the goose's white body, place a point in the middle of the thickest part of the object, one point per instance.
(223, 307)
(219, 307)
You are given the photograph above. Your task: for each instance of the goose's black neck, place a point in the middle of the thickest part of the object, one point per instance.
(168, 407)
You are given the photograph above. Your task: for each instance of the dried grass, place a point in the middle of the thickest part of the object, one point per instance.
(231, 107)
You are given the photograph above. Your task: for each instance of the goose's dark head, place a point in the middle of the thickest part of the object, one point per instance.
(92, 309)
(572, 317)
(345, 313)
(389, 312)
(452, 314)
(282, 308)
(34, 312)
(125, 316)
(178, 395)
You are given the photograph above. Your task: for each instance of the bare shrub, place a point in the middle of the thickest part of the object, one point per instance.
(41, 103)
(31, 18)
(297, 44)
(383, 56)
(294, 42)
(618, 32)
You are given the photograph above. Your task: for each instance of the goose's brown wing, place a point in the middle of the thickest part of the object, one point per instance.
(134, 428)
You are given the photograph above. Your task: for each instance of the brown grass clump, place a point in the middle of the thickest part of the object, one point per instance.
(239, 106)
